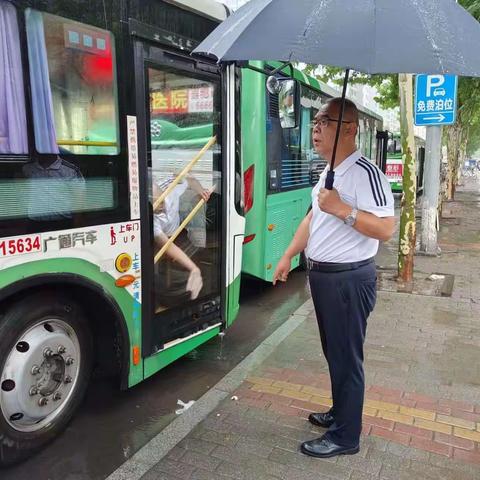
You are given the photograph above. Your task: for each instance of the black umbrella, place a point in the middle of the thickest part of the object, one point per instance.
(371, 36)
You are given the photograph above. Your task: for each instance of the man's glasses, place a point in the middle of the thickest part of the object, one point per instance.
(323, 121)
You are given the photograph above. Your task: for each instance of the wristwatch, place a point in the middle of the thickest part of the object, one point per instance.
(351, 218)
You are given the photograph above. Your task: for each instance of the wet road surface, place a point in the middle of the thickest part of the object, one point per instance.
(112, 425)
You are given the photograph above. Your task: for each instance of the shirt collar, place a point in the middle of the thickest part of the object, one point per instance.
(347, 163)
(53, 166)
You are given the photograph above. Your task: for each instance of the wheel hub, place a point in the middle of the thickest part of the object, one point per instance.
(39, 375)
(52, 375)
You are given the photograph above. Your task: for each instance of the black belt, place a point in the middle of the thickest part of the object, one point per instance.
(328, 267)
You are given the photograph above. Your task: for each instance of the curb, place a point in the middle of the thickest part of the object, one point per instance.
(151, 453)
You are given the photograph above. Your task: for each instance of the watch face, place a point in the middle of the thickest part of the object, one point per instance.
(351, 218)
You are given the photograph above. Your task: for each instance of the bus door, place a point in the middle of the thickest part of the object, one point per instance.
(179, 121)
(382, 145)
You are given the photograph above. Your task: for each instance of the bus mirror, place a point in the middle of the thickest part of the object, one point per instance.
(287, 104)
(273, 85)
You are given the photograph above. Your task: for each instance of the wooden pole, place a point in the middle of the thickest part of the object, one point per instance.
(184, 172)
(177, 232)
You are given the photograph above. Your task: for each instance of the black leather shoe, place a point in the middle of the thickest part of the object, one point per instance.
(325, 448)
(324, 420)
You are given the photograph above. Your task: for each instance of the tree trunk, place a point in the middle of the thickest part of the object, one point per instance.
(408, 231)
(454, 138)
(462, 152)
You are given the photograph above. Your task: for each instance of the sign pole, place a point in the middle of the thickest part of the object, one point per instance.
(431, 191)
(435, 105)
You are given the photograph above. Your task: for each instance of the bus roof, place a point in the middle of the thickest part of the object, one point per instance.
(207, 8)
(323, 87)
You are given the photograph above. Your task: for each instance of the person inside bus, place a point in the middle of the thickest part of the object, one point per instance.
(175, 285)
(194, 282)
(55, 191)
(169, 214)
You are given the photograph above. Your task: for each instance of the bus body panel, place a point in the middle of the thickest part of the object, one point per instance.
(235, 221)
(171, 353)
(253, 147)
(98, 265)
(285, 211)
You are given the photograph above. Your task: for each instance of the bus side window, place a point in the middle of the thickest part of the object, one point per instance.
(74, 106)
(13, 125)
(73, 86)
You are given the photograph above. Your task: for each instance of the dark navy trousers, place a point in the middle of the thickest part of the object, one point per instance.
(343, 301)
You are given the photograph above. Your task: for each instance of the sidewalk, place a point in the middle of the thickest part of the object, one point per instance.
(422, 409)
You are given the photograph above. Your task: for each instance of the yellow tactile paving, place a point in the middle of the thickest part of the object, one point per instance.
(433, 426)
(325, 401)
(428, 420)
(316, 391)
(395, 417)
(296, 394)
(288, 386)
(266, 389)
(456, 422)
(418, 413)
(468, 434)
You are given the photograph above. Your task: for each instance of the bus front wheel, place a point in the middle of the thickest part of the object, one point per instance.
(46, 357)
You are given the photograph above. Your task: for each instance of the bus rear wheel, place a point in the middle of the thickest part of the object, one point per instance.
(45, 364)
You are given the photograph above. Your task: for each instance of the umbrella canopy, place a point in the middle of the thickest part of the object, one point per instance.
(371, 36)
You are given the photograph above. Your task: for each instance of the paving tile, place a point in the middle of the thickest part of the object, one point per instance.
(468, 434)
(199, 460)
(379, 422)
(433, 426)
(295, 394)
(430, 446)
(303, 462)
(155, 475)
(266, 389)
(456, 422)
(390, 435)
(417, 413)
(196, 445)
(174, 468)
(465, 406)
(411, 430)
(453, 441)
(259, 380)
(396, 417)
(261, 465)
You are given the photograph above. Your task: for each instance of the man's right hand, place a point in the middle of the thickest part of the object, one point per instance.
(282, 270)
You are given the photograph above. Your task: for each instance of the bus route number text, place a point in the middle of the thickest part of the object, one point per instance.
(20, 246)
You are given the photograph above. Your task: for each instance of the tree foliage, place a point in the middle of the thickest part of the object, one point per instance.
(463, 138)
(386, 85)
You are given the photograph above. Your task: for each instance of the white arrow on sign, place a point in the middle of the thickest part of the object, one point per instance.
(438, 118)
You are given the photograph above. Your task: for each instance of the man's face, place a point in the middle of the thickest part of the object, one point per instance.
(325, 129)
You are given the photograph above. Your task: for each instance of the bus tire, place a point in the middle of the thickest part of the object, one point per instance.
(46, 354)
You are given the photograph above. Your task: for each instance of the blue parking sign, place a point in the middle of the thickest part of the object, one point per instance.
(435, 99)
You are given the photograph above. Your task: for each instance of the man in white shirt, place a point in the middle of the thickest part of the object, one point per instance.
(340, 236)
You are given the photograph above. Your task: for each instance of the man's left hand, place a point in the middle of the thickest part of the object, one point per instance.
(330, 202)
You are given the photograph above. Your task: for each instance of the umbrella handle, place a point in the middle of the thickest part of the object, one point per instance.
(331, 173)
(329, 180)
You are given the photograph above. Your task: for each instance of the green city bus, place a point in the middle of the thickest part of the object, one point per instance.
(394, 165)
(280, 163)
(118, 248)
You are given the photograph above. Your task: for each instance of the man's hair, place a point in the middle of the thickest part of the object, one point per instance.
(351, 110)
